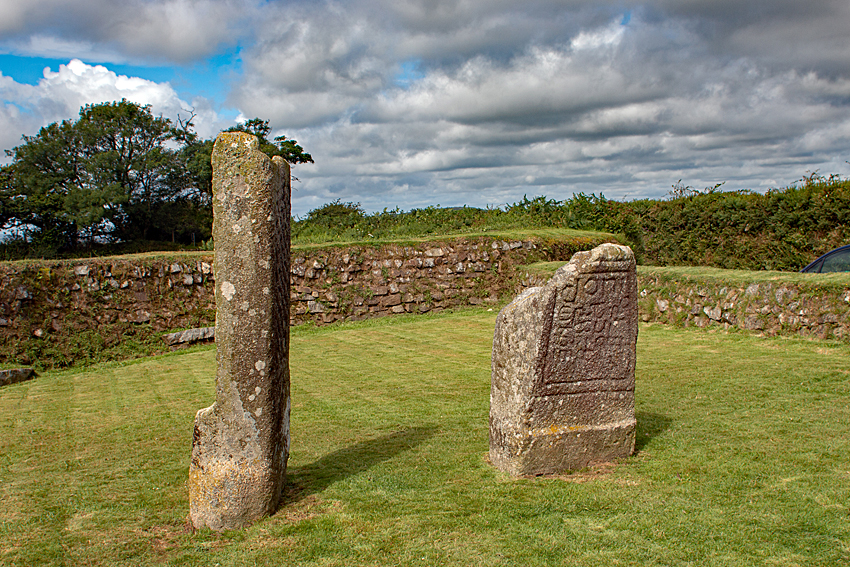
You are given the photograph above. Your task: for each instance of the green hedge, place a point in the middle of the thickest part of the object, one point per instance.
(784, 229)
(780, 230)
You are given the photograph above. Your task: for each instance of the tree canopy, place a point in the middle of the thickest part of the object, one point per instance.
(281, 146)
(116, 174)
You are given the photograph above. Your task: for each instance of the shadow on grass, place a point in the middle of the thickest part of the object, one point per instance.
(348, 461)
(649, 425)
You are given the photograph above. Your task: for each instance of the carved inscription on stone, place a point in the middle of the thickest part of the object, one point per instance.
(562, 392)
(590, 335)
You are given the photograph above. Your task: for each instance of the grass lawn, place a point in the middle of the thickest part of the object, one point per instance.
(517, 233)
(743, 458)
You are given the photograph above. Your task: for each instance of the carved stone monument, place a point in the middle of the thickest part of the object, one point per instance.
(241, 442)
(563, 368)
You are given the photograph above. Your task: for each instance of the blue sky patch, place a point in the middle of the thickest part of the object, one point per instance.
(209, 79)
(410, 71)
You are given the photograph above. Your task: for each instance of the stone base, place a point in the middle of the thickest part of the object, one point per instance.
(233, 479)
(223, 494)
(556, 450)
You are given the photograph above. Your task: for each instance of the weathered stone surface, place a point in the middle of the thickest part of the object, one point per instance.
(563, 368)
(15, 375)
(241, 442)
(189, 336)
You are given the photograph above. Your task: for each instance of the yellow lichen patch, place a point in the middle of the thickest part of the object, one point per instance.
(562, 429)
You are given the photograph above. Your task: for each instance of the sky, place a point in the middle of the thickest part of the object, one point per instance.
(416, 103)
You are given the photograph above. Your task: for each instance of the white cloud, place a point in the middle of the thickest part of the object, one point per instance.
(61, 94)
(131, 31)
(57, 48)
(181, 30)
(608, 36)
(539, 97)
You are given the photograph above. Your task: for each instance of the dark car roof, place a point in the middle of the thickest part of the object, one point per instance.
(830, 253)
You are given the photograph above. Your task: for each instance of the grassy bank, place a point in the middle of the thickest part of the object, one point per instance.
(742, 447)
(837, 280)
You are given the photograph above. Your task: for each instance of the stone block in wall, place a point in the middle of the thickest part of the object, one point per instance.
(16, 375)
(140, 316)
(190, 336)
(714, 313)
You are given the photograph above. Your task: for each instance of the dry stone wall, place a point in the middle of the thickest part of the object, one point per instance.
(363, 282)
(47, 303)
(768, 307)
(763, 306)
(113, 300)
(165, 294)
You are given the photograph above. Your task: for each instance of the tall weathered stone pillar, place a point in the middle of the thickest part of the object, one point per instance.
(241, 442)
(563, 368)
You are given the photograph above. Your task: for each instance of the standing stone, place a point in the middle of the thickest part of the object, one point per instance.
(563, 368)
(241, 442)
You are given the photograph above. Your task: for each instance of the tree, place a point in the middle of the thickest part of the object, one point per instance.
(196, 154)
(118, 173)
(129, 164)
(37, 185)
(281, 146)
(103, 175)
